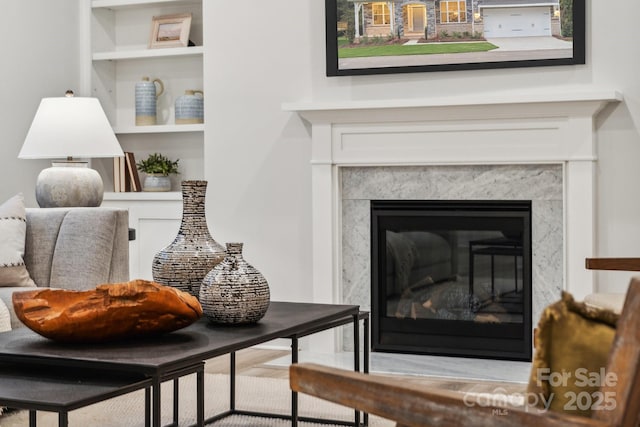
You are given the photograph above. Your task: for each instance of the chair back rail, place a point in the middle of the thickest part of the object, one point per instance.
(413, 406)
(624, 361)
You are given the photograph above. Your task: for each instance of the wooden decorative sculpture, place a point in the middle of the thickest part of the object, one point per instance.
(108, 312)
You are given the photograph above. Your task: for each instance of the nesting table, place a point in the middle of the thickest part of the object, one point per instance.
(494, 247)
(45, 389)
(113, 369)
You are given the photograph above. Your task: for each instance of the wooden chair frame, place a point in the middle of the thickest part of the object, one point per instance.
(413, 406)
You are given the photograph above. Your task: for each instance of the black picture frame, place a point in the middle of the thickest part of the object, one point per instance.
(572, 53)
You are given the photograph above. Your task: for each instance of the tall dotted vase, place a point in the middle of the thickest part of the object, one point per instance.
(234, 292)
(193, 253)
(147, 94)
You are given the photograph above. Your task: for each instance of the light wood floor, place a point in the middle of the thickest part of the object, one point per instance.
(254, 362)
(251, 362)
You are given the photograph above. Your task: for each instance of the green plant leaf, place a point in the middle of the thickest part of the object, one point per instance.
(158, 163)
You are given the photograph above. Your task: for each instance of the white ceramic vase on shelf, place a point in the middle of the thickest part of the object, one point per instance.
(147, 93)
(190, 108)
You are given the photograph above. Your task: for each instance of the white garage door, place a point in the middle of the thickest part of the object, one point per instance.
(517, 22)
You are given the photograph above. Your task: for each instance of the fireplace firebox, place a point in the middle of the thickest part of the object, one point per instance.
(452, 278)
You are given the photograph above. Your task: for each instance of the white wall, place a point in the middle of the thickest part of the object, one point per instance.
(257, 156)
(618, 136)
(39, 59)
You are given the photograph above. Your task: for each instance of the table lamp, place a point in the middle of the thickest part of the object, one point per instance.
(66, 128)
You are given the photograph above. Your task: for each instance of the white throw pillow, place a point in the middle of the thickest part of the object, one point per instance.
(5, 319)
(13, 229)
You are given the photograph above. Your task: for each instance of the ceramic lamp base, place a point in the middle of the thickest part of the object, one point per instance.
(69, 184)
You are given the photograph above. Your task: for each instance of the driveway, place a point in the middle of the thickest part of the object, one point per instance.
(529, 43)
(509, 49)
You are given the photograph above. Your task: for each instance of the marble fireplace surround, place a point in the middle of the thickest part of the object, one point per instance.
(540, 183)
(538, 146)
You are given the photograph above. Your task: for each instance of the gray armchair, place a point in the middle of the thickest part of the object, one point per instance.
(74, 248)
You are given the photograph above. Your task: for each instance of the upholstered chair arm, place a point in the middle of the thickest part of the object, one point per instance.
(77, 248)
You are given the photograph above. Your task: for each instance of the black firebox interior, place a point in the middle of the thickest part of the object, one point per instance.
(452, 278)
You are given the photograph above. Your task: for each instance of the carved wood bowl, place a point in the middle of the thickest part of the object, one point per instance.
(110, 312)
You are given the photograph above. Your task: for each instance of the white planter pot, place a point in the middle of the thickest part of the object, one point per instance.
(156, 182)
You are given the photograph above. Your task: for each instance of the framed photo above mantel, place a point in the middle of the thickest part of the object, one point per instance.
(405, 36)
(170, 31)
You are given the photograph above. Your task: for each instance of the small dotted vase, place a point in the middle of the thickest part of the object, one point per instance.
(189, 108)
(234, 292)
(193, 253)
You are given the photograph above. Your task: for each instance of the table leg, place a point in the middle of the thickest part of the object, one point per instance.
(63, 419)
(176, 397)
(147, 407)
(493, 278)
(356, 357)
(294, 395)
(32, 418)
(515, 268)
(471, 272)
(365, 327)
(232, 381)
(200, 397)
(156, 402)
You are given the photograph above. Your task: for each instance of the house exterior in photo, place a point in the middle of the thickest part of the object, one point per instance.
(481, 18)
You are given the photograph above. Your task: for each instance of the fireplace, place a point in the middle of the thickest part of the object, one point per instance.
(514, 145)
(451, 277)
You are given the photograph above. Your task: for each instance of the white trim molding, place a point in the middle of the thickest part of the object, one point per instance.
(545, 126)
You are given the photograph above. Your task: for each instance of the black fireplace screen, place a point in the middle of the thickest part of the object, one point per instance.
(452, 278)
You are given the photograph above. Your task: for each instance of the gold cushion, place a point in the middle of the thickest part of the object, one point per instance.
(573, 341)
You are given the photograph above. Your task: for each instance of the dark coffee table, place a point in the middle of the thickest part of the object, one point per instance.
(183, 352)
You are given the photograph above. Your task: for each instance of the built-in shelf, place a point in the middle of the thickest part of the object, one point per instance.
(158, 129)
(143, 195)
(120, 4)
(117, 58)
(144, 53)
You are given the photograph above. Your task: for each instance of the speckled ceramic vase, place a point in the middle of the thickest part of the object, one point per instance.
(193, 252)
(189, 108)
(234, 292)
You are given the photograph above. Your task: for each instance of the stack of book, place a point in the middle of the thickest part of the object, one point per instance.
(125, 174)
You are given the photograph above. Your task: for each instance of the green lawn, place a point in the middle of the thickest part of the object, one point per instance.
(416, 49)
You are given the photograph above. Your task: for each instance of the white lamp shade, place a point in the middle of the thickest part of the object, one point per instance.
(70, 127)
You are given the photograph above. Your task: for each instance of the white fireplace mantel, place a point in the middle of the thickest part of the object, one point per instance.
(546, 126)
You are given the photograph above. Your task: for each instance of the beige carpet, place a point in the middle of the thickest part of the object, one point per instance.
(253, 393)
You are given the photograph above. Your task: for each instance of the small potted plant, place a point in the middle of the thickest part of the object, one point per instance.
(157, 168)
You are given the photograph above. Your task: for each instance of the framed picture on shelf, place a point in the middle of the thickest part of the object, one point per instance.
(397, 36)
(170, 31)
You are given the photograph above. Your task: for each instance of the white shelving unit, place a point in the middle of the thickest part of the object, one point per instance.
(148, 53)
(116, 58)
(158, 129)
(156, 219)
(123, 4)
